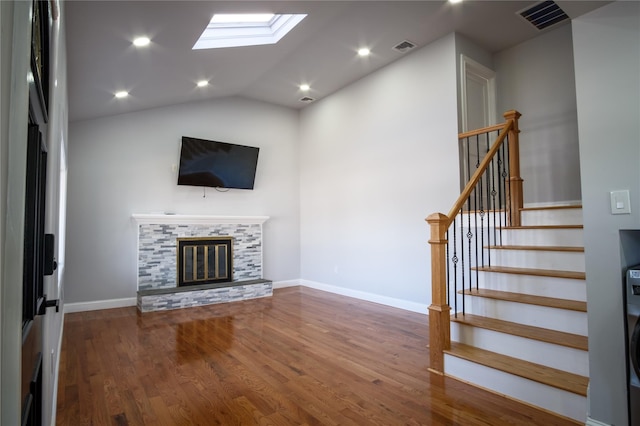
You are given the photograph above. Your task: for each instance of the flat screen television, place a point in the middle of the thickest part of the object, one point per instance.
(217, 164)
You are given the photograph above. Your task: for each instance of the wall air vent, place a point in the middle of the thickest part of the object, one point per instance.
(544, 14)
(404, 46)
(307, 99)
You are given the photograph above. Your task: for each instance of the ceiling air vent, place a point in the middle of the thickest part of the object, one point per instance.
(544, 14)
(307, 99)
(404, 46)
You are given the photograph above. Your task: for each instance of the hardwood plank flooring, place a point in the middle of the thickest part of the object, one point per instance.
(301, 357)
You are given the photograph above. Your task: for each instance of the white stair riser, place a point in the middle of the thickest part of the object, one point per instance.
(537, 316)
(560, 357)
(538, 259)
(544, 237)
(561, 288)
(552, 399)
(551, 217)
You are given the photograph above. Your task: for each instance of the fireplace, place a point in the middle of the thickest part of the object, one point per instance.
(158, 251)
(220, 258)
(204, 260)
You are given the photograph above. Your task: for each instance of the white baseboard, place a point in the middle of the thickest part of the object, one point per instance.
(99, 304)
(287, 283)
(592, 422)
(370, 297)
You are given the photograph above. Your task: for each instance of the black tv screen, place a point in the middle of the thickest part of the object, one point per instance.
(217, 164)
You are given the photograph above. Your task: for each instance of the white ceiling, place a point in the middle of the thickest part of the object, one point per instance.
(320, 51)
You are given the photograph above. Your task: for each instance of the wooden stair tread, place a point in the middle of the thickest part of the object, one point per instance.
(531, 271)
(539, 248)
(539, 373)
(544, 227)
(571, 206)
(551, 302)
(536, 333)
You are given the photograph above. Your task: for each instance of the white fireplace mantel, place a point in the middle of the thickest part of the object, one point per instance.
(144, 218)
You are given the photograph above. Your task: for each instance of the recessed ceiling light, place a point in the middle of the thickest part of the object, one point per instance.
(304, 87)
(122, 94)
(455, 1)
(364, 51)
(203, 83)
(141, 41)
(232, 30)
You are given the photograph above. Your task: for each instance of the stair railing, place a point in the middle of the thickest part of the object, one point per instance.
(490, 201)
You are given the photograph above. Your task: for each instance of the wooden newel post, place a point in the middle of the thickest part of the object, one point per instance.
(439, 311)
(514, 194)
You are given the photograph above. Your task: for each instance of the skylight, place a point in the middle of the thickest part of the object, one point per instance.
(240, 18)
(232, 30)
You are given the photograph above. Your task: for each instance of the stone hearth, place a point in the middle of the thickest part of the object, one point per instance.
(157, 260)
(200, 295)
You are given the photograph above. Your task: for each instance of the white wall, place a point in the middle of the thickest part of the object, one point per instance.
(122, 165)
(537, 78)
(376, 159)
(607, 63)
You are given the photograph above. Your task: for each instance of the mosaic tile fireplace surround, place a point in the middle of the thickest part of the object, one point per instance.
(157, 260)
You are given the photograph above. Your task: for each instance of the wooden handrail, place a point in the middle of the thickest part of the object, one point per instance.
(487, 129)
(466, 192)
(439, 310)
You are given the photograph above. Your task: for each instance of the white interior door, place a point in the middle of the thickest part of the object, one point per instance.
(478, 107)
(478, 95)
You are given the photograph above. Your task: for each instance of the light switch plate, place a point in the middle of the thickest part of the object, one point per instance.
(620, 203)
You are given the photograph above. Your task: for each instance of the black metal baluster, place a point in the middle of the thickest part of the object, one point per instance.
(468, 149)
(493, 198)
(462, 269)
(488, 183)
(508, 168)
(454, 260)
(475, 228)
(500, 186)
(469, 238)
(446, 236)
(470, 208)
(481, 203)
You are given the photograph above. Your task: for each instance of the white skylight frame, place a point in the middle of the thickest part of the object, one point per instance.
(251, 32)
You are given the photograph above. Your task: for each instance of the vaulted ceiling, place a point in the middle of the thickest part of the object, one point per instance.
(320, 51)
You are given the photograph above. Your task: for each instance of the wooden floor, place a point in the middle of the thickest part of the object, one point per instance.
(301, 357)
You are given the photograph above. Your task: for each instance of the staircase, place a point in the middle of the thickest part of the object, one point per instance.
(524, 330)
(508, 306)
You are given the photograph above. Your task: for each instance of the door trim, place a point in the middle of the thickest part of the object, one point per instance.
(484, 75)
